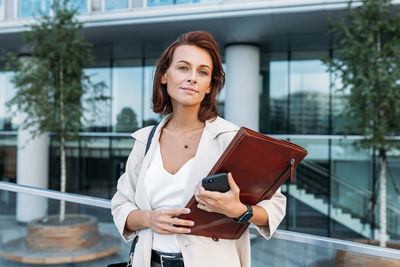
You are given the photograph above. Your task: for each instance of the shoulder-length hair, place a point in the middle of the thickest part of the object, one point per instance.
(208, 107)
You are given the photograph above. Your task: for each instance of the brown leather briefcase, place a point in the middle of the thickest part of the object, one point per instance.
(259, 165)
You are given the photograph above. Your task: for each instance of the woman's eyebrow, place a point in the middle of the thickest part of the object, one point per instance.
(186, 62)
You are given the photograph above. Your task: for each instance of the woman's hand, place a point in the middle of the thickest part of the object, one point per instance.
(227, 203)
(165, 222)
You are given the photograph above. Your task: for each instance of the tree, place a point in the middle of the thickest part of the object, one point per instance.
(368, 64)
(51, 85)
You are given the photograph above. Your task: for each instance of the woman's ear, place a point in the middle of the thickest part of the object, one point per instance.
(163, 79)
(208, 90)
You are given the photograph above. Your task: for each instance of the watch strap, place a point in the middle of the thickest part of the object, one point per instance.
(246, 216)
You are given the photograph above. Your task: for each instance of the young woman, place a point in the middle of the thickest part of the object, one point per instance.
(186, 144)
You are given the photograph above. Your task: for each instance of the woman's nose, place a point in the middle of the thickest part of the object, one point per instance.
(192, 77)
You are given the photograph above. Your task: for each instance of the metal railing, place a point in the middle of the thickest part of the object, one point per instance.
(306, 239)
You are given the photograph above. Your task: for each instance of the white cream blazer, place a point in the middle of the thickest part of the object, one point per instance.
(197, 251)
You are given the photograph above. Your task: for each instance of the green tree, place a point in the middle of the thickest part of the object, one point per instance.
(367, 41)
(51, 84)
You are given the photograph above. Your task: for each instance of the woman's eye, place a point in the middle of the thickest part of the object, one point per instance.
(183, 68)
(204, 73)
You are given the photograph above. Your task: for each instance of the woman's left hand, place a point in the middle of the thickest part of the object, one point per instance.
(227, 203)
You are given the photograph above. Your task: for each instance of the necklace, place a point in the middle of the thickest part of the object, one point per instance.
(186, 141)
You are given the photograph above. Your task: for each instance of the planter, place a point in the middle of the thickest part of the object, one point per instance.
(345, 258)
(49, 242)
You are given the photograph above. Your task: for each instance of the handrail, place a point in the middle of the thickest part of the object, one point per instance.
(339, 244)
(70, 197)
(279, 234)
(277, 136)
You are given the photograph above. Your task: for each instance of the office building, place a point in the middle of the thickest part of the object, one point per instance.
(276, 84)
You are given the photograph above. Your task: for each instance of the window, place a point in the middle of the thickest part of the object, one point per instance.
(100, 121)
(117, 4)
(127, 95)
(80, 5)
(1, 10)
(30, 8)
(7, 91)
(309, 94)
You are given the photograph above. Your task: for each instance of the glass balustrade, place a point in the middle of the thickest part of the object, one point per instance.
(23, 208)
(332, 195)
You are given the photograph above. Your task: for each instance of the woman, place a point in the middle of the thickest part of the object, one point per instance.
(186, 144)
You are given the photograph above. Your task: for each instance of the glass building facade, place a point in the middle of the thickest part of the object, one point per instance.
(298, 101)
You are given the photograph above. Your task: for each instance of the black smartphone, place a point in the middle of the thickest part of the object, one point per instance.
(217, 182)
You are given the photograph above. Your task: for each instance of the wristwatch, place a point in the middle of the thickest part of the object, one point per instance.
(245, 216)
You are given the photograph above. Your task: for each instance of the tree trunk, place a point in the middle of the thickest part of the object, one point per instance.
(382, 195)
(63, 178)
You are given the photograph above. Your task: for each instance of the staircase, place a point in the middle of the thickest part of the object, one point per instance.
(312, 187)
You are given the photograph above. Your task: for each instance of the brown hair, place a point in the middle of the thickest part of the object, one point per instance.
(208, 107)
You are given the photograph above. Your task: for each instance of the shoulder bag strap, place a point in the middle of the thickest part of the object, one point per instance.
(130, 260)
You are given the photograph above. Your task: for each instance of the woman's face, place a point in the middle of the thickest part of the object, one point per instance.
(188, 78)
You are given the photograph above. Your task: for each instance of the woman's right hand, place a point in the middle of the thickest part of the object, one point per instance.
(165, 221)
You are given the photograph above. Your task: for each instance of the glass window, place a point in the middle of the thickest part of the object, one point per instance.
(1, 9)
(159, 2)
(96, 5)
(29, 8)
(100, 120)
(309, 94)
(187, 1)
(127, 95)
(7, 91)
(117, 4)
(80, 5)
(274, 99)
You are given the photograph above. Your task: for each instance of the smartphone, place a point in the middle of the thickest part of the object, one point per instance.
(217, 182)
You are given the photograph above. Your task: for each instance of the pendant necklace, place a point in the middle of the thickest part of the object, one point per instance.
(186, 142)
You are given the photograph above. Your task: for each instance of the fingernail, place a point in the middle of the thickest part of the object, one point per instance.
(187, 210)
(192, 223)
(188, 230)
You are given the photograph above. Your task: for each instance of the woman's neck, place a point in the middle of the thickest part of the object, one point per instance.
(186, 119)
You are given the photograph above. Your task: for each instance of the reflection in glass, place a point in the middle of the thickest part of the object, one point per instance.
(127, 96)
(29, 8)
(339, 102)
(7, 91)
(100, 119)
(278, 94)
(309, 97)
(117, 4)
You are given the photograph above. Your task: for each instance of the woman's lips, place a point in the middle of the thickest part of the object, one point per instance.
(189, 89)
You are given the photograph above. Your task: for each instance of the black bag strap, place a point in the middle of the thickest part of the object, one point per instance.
(153, 130)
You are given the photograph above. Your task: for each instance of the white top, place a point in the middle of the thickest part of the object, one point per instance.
(165, 192)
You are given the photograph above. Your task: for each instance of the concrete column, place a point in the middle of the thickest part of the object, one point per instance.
(32, 170)
(242, 85)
